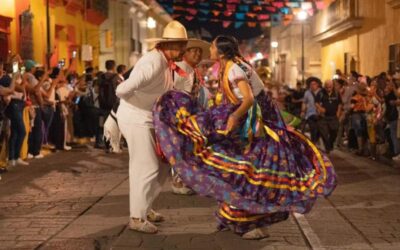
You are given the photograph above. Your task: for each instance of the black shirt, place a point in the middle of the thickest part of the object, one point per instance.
(391, 110)
(5, 81)
(330, 102)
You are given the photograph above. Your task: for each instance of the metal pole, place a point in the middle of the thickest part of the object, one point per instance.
(48, 33)
(302, 53)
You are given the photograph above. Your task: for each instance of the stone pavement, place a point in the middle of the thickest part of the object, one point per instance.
(79, 200)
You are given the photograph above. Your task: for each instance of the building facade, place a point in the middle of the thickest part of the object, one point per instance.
(359, 35)
(73, 29)
(287, 53)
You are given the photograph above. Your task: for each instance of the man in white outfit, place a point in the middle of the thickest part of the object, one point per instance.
(150, 78)
(196, 51)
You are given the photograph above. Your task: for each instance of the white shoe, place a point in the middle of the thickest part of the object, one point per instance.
(67, 148)
(12, 163)
(22, 162)
(30, 156)
(256, 234)
(39, 156)
(143, 226)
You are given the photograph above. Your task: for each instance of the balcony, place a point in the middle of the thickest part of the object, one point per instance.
(96, 11)
(340, 17)
(73, 6)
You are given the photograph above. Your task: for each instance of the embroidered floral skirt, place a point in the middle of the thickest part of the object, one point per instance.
(257, 181)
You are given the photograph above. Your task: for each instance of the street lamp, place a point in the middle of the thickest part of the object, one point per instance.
(274, 46)
(302, 16)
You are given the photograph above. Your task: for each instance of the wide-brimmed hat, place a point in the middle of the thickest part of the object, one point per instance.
(173, 32)
(203, 45)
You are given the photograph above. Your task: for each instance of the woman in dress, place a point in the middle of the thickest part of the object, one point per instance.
(240, 151)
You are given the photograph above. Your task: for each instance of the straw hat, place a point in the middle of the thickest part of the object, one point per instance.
(173, 32)
(203, 45)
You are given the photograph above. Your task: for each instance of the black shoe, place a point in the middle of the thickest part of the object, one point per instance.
(3, 170)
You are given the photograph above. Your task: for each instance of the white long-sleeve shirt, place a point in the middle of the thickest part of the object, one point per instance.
(150, 78)
(184, 83)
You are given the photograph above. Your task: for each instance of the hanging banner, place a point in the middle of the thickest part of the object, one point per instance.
(257, 8)
(231, 7)
(278, 4)
(265, 24)
(204, 11)
(240, 16)
(216, 12)
(226, 24)
(251, 24)
(233, 1)
(263, 17)
(192, 12)
(228, 13)
(238, 24)
(251, 15)
(244, 8)
(189, 18)
(270, 9)
(179, 8)
(285, 10)
(205, 5)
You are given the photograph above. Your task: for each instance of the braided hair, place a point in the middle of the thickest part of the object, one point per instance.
(229, 47)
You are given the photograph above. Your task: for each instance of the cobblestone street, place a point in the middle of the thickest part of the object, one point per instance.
(79, 200)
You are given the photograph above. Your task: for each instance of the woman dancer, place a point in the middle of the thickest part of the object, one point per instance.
(240, 152)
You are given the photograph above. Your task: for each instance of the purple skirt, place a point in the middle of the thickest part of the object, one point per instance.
(257, 182)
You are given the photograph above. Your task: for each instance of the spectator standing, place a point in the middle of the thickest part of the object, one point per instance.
(329, 105)
(391, 116)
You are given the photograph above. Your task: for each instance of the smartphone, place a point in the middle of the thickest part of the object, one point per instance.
(22, 70)
(77, 100)
(15, 67)
(74, 54)
(61, 64)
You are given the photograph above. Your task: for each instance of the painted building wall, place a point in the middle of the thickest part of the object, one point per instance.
(368, 45)
(289, 47)
(83, 31)
(119, 24)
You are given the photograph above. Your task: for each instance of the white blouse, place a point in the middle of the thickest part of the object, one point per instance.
(236, 73)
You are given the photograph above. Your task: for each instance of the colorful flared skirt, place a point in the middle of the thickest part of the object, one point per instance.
(256, 182)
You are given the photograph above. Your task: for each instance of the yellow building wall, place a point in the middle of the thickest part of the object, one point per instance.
(85, 33)
(7, 8)
(368, 44)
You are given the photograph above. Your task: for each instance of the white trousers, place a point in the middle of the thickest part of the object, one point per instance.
(146, 173)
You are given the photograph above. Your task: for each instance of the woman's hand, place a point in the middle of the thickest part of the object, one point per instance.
(232, 123)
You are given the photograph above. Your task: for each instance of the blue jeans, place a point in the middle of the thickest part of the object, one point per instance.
(14, 113)
(48, 114)
(36, 136)
(393, 137)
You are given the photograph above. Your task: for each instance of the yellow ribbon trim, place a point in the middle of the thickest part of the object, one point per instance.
(225, 84)
(271, 133)
(242, 219)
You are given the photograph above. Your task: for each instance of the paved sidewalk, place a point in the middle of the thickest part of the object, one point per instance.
(79, 200)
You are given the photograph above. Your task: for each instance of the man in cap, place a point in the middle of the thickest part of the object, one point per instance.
(34, 91)
(196, 51)
(151, 77)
